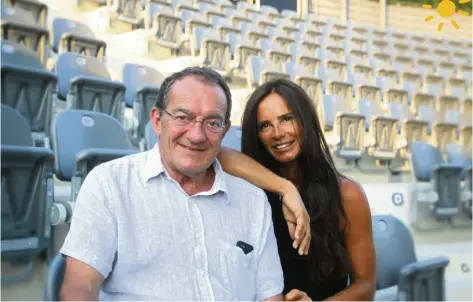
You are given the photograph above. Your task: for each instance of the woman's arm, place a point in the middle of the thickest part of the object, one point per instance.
(295, 213)
(360, 244)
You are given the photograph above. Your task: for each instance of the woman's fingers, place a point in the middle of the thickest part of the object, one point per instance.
(304, 248)
(297, 295)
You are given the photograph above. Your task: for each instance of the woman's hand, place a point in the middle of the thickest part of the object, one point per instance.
(297, 295)
(298, 220)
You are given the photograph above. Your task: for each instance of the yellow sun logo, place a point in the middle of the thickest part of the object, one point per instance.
(446, 9)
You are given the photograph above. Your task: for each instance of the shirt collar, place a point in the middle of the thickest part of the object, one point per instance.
(154, 167)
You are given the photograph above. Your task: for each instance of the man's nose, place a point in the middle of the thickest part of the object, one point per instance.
(196, 133)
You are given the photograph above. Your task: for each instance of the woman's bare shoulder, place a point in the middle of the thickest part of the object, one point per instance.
(353, 196)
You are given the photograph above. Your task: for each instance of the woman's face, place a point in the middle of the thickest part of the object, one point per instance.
(278, 129)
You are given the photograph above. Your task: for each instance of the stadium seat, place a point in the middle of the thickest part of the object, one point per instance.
(260, 70)
(286, 26)
(27, 194)
(20, 27)
(309, 30)
(382, 130)
(233, 138)
(271, 12)
(85, 83)
(208, 49)
(311, 84)
(292, 16)
(38, 10)
(248, 9)
(83, 139)
(72, 36)
(210, 11)
(129, 12)
(303, 56)
(161, 22)
(224, 27)
(253, 32)
(436, 183)
(283, 38)
(142, 86)
(400, 276)
(30, 89)
(346, 127)
(237, 17)
(241, 49)
(54, 278)
(442, 131)
(410, 129)
(276, 53)
(191, 20)
(459, 155)
(150, 136)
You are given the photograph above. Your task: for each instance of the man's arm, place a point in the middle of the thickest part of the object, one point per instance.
(91, 242)
(295, 213)
(81, 282)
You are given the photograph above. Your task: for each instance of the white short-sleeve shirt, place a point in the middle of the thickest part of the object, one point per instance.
(151, 241)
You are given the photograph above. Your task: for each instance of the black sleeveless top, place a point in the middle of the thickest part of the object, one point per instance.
(295, 267)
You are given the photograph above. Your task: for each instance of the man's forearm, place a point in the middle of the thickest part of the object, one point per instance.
(243, 166)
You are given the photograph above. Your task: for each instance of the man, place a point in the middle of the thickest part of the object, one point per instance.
(169, 224)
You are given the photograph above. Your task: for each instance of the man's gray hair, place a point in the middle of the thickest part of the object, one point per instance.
(205, 74)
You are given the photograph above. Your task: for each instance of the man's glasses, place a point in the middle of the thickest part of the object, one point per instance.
(215, 125)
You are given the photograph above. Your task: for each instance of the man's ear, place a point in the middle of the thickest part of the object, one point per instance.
(155, 116)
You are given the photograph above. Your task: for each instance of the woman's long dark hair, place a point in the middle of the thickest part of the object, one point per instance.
(320, 180)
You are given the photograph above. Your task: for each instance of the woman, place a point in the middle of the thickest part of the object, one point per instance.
(281, 131)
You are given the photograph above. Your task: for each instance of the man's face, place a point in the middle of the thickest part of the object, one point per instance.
(190, 149)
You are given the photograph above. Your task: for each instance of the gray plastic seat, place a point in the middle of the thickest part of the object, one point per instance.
(397, 264)
(54, 278)
(72, 36)
(150, 136)
(260, 70)
(83, 139)
(38, 10)
(382, 128)
(30, 88)
(164, 25)
(27, 193)
(233, 138)
(85, 83)
(19, 26)
(142, 86)
(445, 178)
(128, 11)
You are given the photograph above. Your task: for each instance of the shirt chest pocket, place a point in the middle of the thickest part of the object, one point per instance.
(238, 272)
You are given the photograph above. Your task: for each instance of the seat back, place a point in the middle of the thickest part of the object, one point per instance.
(83, 139)
(30, 88)
(233, 138)
(142, 86)
(394, 249)
(27, 188)
(36, 9)
(54, 278)
(85, 83)
(73, 36)
(19, 26)
(150, 136)
(424, 158)
(458, 155)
